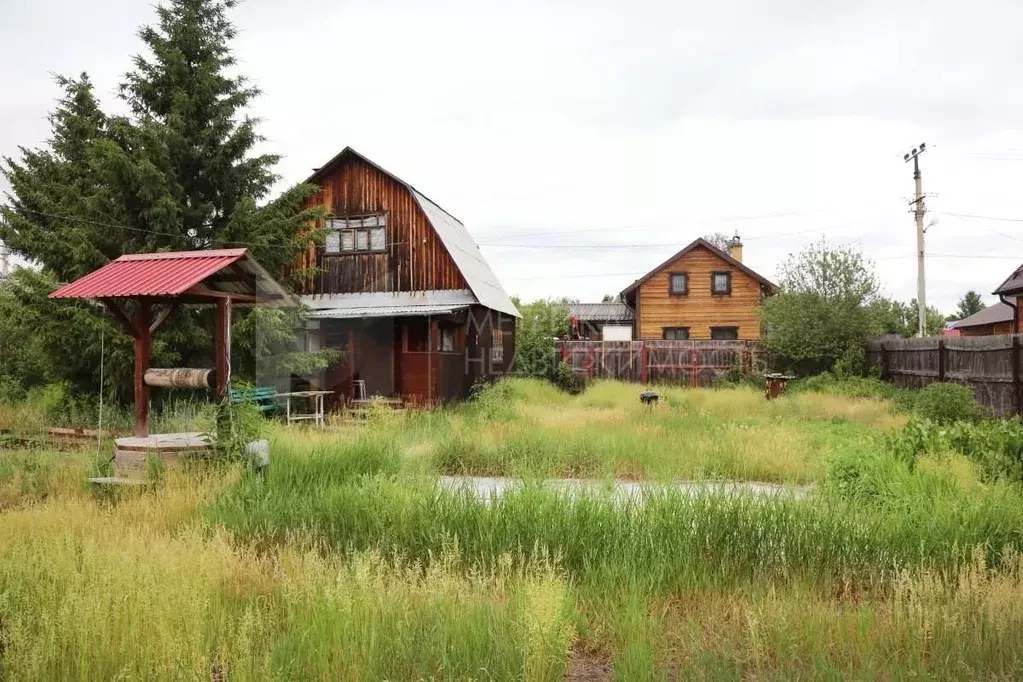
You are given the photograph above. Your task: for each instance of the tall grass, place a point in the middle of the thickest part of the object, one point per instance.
(355, 498)
(139, 590)
(345, 560)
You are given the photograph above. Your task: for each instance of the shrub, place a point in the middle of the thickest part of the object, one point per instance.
(569, 379)
(946, 403)
(996, 445)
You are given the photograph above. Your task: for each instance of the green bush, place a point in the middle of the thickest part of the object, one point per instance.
(946, 403)
(569, 379)
(996, 445)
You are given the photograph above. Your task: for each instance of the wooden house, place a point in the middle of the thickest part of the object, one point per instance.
(701, 292)
(402, 289)
(992, 320)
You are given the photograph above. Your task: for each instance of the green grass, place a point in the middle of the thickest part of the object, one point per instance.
(345, 561)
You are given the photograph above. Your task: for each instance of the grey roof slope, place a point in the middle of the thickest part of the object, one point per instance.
(601, 312)
(1013, 284)
(993, 314)
(456, 239)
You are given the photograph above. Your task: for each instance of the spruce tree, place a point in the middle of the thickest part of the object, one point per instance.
(179, 171)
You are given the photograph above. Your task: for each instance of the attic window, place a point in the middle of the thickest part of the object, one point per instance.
(356, 234)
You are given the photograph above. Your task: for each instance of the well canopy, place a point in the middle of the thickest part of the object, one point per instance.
(181, 275)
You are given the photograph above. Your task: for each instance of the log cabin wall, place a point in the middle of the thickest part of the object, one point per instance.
(698, 310)
(415, 258)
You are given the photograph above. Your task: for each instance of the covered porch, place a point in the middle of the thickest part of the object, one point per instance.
(414, 351)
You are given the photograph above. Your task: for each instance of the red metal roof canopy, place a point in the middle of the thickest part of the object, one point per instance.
(174, 274)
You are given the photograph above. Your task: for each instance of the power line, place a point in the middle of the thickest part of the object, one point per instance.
(708, 221)
(974, 216)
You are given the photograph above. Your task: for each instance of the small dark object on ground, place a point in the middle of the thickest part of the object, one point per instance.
(775, 385)
(649, 397)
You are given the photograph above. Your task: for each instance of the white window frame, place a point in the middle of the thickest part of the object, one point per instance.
(356, 234)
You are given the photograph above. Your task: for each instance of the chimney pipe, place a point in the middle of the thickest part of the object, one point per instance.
(735, 248)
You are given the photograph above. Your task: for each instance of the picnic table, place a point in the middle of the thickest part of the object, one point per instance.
(316, 398)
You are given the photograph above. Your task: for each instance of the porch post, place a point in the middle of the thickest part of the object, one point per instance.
(430, 324)
(143, 339)
(223, 347)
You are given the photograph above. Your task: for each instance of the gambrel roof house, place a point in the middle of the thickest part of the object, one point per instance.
(403, 289)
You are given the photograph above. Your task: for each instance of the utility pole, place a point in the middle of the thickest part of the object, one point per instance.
(921, 281)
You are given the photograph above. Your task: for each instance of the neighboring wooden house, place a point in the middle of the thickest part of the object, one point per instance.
(995, 319)
(1009, 292)
(402, 289)
(701, 292)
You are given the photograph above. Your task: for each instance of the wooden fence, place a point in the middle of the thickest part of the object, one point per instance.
(990, 365)
(692, 363)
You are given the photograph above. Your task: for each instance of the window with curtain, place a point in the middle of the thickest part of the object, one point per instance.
(676, 333)
(356, 234)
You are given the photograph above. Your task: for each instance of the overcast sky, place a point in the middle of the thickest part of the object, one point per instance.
(584, 143)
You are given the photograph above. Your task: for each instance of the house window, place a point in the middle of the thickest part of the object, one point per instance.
(724, 333)
(447, 339)
(721, 283)
(676, 333)
(497, 349)
(678, 284)
(364, 234)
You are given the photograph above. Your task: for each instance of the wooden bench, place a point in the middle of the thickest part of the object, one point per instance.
(263, 397)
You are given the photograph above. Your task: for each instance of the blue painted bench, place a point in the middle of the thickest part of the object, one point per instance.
(263, 397)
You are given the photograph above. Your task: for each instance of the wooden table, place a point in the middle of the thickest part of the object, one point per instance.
(316, 415)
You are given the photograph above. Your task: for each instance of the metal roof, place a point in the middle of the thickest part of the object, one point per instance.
(467, 256)
(456, 239)
(172, 274)
(993, 314)
(382, 311)
(433, 297)
(387, 304)
(601, 312)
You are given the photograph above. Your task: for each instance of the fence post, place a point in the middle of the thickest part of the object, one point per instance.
(941, 360)
(885, 372)
(1015, 375)
(644, 360)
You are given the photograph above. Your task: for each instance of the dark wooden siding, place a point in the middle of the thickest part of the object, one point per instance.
(368, 354)
(415, 260)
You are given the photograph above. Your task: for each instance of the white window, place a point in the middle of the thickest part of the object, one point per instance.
(356, 234)
(497, 349)
(377, 239)
(447, 339)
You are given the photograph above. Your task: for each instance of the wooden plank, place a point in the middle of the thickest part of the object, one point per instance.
(223, 347)
(122, 319)
(142, 350)
(162, 317)
(1017, 390)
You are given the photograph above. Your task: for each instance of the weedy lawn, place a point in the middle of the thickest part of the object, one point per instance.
(345, 561)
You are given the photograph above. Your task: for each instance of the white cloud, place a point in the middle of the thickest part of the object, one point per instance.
(628, 124)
